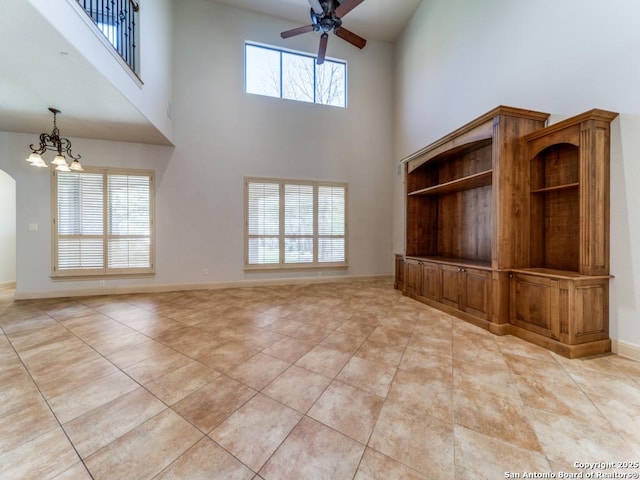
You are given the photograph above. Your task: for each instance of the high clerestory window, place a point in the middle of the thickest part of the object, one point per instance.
(292, 75)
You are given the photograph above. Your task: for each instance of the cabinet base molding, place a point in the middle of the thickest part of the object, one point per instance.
(499, 328)
(588, 349)
(478, 322)
(597, 347)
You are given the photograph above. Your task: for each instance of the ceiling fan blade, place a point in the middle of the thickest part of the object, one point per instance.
(322, 50)
(316, 7)
(297, 31)
(346, 7)
(351, 37)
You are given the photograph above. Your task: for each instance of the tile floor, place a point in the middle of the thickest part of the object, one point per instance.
(330, 381)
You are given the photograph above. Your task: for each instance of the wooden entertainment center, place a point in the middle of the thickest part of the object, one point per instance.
(507, 227)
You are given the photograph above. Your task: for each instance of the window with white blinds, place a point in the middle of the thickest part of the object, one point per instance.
(293, 223)
(103, 222)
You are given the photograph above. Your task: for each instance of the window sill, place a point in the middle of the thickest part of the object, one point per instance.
(100, 276)
(295, 266)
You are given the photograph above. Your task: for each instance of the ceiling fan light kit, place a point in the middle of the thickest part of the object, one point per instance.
(326, 15)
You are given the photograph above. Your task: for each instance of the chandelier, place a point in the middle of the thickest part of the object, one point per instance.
(53, 141)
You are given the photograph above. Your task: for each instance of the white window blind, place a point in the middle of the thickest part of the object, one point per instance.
(103, 222)
(80, 227)
(263, 217)
(129, 243)
(295, 223)
(331, 222)
(298, 223)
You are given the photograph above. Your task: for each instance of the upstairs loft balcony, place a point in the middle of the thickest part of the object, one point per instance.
(118, 21)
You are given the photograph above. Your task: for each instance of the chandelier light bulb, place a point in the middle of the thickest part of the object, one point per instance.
(75, 166)
(34, 158)
(40, 163)
(59, 160)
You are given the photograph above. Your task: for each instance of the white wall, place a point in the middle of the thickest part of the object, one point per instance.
(221, 135)
(7, 229)
(33, 206)
(460, 58)
(154, 46)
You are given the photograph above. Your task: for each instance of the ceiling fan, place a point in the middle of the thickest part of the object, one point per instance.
(327, 15)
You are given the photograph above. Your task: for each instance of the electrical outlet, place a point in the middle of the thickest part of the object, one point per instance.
(101, 283)
(205, 272)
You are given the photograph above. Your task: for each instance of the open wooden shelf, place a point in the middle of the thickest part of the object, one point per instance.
(481, 179)
(555, 274)
(462, 262)
(507, 227)
(556, 187)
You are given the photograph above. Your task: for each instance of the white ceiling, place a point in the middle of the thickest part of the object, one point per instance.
(372, 19)
(40, 69)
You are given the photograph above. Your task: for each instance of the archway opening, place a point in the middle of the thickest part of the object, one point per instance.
(8, 211)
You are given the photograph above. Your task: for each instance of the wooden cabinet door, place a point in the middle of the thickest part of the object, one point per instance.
(534, 304)
(475, 295)
(450, 285)
(588, 316)
(412, 277)
(430, 281)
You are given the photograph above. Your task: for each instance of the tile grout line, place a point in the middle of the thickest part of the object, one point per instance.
(566, 368)
(395, 374)
(43, 396)
(167, 407)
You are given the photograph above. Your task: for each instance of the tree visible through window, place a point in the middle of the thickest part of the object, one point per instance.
(295, 76)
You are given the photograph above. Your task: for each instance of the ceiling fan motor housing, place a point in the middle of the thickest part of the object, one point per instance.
(325, 16)
(328, 21)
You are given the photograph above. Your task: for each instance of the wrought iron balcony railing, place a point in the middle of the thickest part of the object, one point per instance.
(117, 20)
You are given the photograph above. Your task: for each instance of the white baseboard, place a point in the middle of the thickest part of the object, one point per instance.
(626, 349)
(154, 288)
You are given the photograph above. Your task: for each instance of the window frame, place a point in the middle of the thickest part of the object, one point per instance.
(282, 235)
(282, 51)
(104, 271)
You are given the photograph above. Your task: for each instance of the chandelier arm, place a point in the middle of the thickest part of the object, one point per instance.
(39, 151)
(44, 141)
(65, 145)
